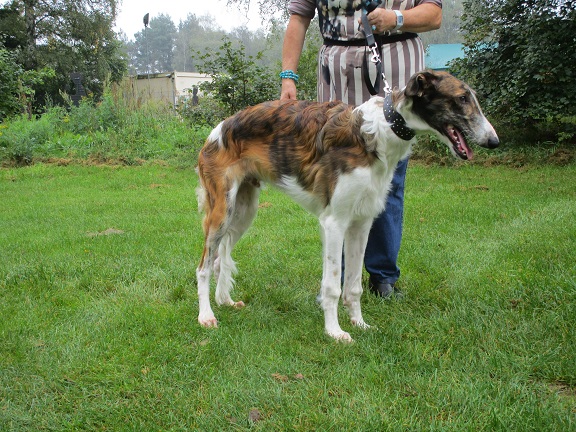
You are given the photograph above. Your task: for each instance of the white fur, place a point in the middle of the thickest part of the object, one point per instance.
(290, 186)
(216, 134)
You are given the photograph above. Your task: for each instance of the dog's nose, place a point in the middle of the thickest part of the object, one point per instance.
(493, 142)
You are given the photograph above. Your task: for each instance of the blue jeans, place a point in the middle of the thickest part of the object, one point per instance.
(385, 236)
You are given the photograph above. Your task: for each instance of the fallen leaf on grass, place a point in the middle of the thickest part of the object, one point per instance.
(285, 378)
(279, 377)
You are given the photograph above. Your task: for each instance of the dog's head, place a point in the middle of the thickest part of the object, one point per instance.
(449, 107)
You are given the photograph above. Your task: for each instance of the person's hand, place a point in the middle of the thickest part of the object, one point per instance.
(382, 20)
(288, 91)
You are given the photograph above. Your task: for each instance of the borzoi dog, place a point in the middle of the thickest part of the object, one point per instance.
(337, 162)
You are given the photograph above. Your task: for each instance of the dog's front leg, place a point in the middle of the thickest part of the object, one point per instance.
(333, 239)
(354, 247)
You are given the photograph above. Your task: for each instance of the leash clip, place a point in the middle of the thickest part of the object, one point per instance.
(387, 88)
(375, 58)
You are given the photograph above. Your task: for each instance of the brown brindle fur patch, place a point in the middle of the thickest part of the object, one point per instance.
(313, 142)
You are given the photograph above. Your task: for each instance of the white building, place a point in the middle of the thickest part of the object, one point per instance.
(171, 87)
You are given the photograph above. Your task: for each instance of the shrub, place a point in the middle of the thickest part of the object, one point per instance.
(520, 57)
(23, 139)
(238, 80)
(111, 130)
(207, 113)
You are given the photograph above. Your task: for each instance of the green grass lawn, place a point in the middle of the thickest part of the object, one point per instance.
(98, 309)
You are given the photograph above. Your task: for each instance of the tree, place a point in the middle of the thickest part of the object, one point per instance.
(238, 80)
(269, 9)
(449, 32)
(520, 58)
(10, 71)
(193, 34)
(65, 36)
(153, 47)
(12, 28)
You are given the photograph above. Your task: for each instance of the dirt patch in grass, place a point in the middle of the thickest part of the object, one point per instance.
(566, 392)
(562, 156)
(106, 232)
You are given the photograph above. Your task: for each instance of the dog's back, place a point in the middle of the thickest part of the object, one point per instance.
(308, 143)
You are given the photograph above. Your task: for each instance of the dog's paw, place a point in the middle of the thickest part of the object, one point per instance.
(341, 336)
(208, 322)
(361, 324)
(232, 303)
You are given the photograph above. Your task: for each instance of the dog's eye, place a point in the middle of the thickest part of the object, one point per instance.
(463, 99)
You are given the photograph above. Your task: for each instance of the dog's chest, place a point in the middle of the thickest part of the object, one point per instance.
(361, 192)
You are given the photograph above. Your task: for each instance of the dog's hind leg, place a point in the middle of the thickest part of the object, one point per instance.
(242, 208)
(330, 291)
(354, 246)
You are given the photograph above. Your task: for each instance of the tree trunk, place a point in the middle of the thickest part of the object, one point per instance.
(30, 20)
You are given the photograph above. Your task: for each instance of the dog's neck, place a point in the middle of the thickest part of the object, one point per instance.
(397, 122)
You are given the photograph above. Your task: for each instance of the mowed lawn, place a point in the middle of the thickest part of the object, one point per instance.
(98, 309)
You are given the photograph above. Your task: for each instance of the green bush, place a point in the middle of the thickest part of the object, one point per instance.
(238, 80)
(207, 113)
(23, 139)
(112, 130)
(520, 59)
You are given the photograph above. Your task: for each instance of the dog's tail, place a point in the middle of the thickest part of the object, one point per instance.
(200, 196)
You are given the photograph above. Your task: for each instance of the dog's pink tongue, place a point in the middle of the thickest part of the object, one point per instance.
(462, 145)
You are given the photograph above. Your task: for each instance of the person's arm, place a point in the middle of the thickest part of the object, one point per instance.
(422, 18)
(292, 50)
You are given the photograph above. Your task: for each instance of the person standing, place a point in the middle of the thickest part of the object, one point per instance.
(342, 62)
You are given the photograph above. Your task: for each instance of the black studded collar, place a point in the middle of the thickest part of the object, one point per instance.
(397, 121)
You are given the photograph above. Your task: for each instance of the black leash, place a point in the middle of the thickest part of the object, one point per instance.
(375, 58)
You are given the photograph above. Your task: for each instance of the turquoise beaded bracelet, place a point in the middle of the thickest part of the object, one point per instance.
(290, 74)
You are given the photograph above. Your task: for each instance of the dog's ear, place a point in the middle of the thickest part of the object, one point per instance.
(421, 84)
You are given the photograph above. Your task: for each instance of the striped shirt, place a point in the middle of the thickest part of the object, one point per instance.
(340, 75)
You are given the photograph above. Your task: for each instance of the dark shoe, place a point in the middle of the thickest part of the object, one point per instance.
(384, 290)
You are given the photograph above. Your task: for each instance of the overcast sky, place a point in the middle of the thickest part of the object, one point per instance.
(132, 12)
